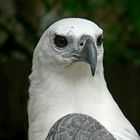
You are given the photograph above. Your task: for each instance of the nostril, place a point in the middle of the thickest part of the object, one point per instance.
(81, 44)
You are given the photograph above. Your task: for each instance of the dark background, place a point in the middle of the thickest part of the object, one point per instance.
(21, 24)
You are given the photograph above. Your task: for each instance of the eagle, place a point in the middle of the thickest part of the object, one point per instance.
(68, 95)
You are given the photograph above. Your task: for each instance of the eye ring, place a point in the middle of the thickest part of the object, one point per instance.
(100, 39)
(60, 41)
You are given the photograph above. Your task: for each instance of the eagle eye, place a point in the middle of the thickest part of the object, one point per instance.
(60, 41)
(100, 40)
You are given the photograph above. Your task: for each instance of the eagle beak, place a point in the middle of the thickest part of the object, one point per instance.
(89, 54)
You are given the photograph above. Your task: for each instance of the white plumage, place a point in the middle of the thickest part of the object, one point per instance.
(60, 86)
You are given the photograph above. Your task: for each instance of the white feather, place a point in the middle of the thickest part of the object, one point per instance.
(57, 90)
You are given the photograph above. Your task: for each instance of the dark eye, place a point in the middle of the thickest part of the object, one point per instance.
(100, 40)
(60, 41)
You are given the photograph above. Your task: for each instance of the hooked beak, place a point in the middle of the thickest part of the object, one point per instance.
(88, 54)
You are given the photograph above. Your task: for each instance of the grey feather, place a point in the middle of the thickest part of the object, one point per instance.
(78, 127)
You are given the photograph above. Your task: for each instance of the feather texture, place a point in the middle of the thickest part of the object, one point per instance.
(60, 87)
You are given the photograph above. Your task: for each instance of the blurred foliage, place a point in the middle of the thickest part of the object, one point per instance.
(22, 23)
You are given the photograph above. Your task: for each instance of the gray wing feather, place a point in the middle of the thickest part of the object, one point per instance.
(78, 127)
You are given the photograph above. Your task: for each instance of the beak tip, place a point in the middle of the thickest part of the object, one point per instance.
(93, 71)
(93, 74)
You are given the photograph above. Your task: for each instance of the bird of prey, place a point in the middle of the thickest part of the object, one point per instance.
(68, 95)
